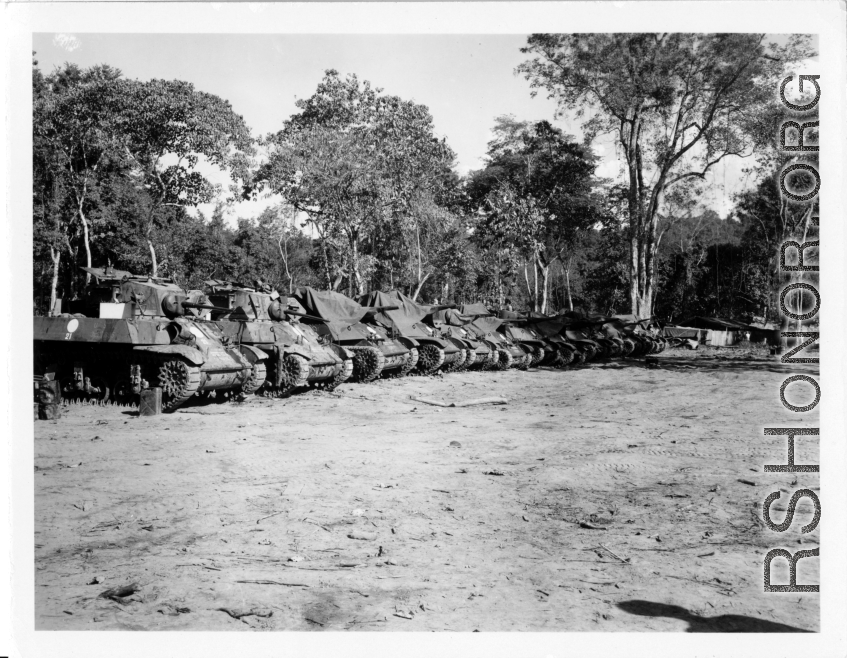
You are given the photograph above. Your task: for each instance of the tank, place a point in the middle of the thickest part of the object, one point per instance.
(296, 355)
(563, 352)
(403, 320)
(485, 327)
(450, 323)
(635, 334)
(130, 333)
(516, 329)
(338, 319)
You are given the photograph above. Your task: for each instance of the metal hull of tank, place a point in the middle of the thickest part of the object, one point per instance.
(277, 338)
(106, 348)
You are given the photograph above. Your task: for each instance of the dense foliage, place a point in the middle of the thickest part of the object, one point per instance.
(366, 195)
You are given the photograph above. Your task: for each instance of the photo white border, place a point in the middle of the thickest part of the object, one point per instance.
(17, 23)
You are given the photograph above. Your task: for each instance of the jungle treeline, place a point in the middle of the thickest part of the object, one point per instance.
(367, 196)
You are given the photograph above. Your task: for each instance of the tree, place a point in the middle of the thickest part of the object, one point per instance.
(677, 104)
(166, 128)
(355, 161)
(536, 196)
(73, 153)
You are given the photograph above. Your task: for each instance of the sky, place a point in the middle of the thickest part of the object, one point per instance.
(465, 80)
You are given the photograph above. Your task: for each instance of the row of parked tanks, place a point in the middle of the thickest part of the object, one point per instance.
(129, 332)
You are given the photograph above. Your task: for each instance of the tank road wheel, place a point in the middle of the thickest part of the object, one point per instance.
(122, 394)
(430, 358)
(258, 374)
(628, 347)
(504, 359)
(99, 391)
(367, 363)
(179, 380)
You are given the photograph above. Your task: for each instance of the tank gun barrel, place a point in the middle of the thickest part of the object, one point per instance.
(298, 314)
(441, 307)
(382, 308)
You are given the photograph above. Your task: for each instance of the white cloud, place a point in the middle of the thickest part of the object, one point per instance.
(66, 42)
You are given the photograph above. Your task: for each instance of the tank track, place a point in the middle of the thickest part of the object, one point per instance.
(367, 363)
(295, 374)
(457, 364)
(258, 375)
(431, 358)
(537, 356)
(411, 363)
(569, 355)
(470, 359)
(505, 360)
(342, 374)
(408, 365)
(177, 378)
(522, 362)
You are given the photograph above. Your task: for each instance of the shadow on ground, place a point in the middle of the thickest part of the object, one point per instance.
(698, 624)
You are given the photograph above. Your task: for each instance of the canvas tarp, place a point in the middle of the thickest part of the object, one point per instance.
(545, 325)
(487, 324)
(330, 306)
(685, 332)
(451, 317)
(474, 309)
(404, 318)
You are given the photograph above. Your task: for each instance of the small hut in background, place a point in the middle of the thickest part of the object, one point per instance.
(717, 332)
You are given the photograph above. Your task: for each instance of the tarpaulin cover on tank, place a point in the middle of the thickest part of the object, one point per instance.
(487, 325)
(451, 317)
(330, 306)
(474, 309)
(509, 315)
(405, 318)
(545, 325)
(522, 335)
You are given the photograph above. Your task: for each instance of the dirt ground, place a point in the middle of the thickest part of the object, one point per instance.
(365, 510)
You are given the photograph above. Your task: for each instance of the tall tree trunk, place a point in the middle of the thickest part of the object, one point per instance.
(568, 284)
(86, 241)
(355, 276)
(55, 256)
(529, 292)
(420, 285)
(284, 255)
(325, 254)
(155, 271)
(535, 296)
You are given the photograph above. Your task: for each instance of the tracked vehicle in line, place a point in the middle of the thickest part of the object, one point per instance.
(296, 356)
(338, 320)
(449, 322)
(130, 333)
(403, 320)
(517, 330)
(485, 327)
(551, 328)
